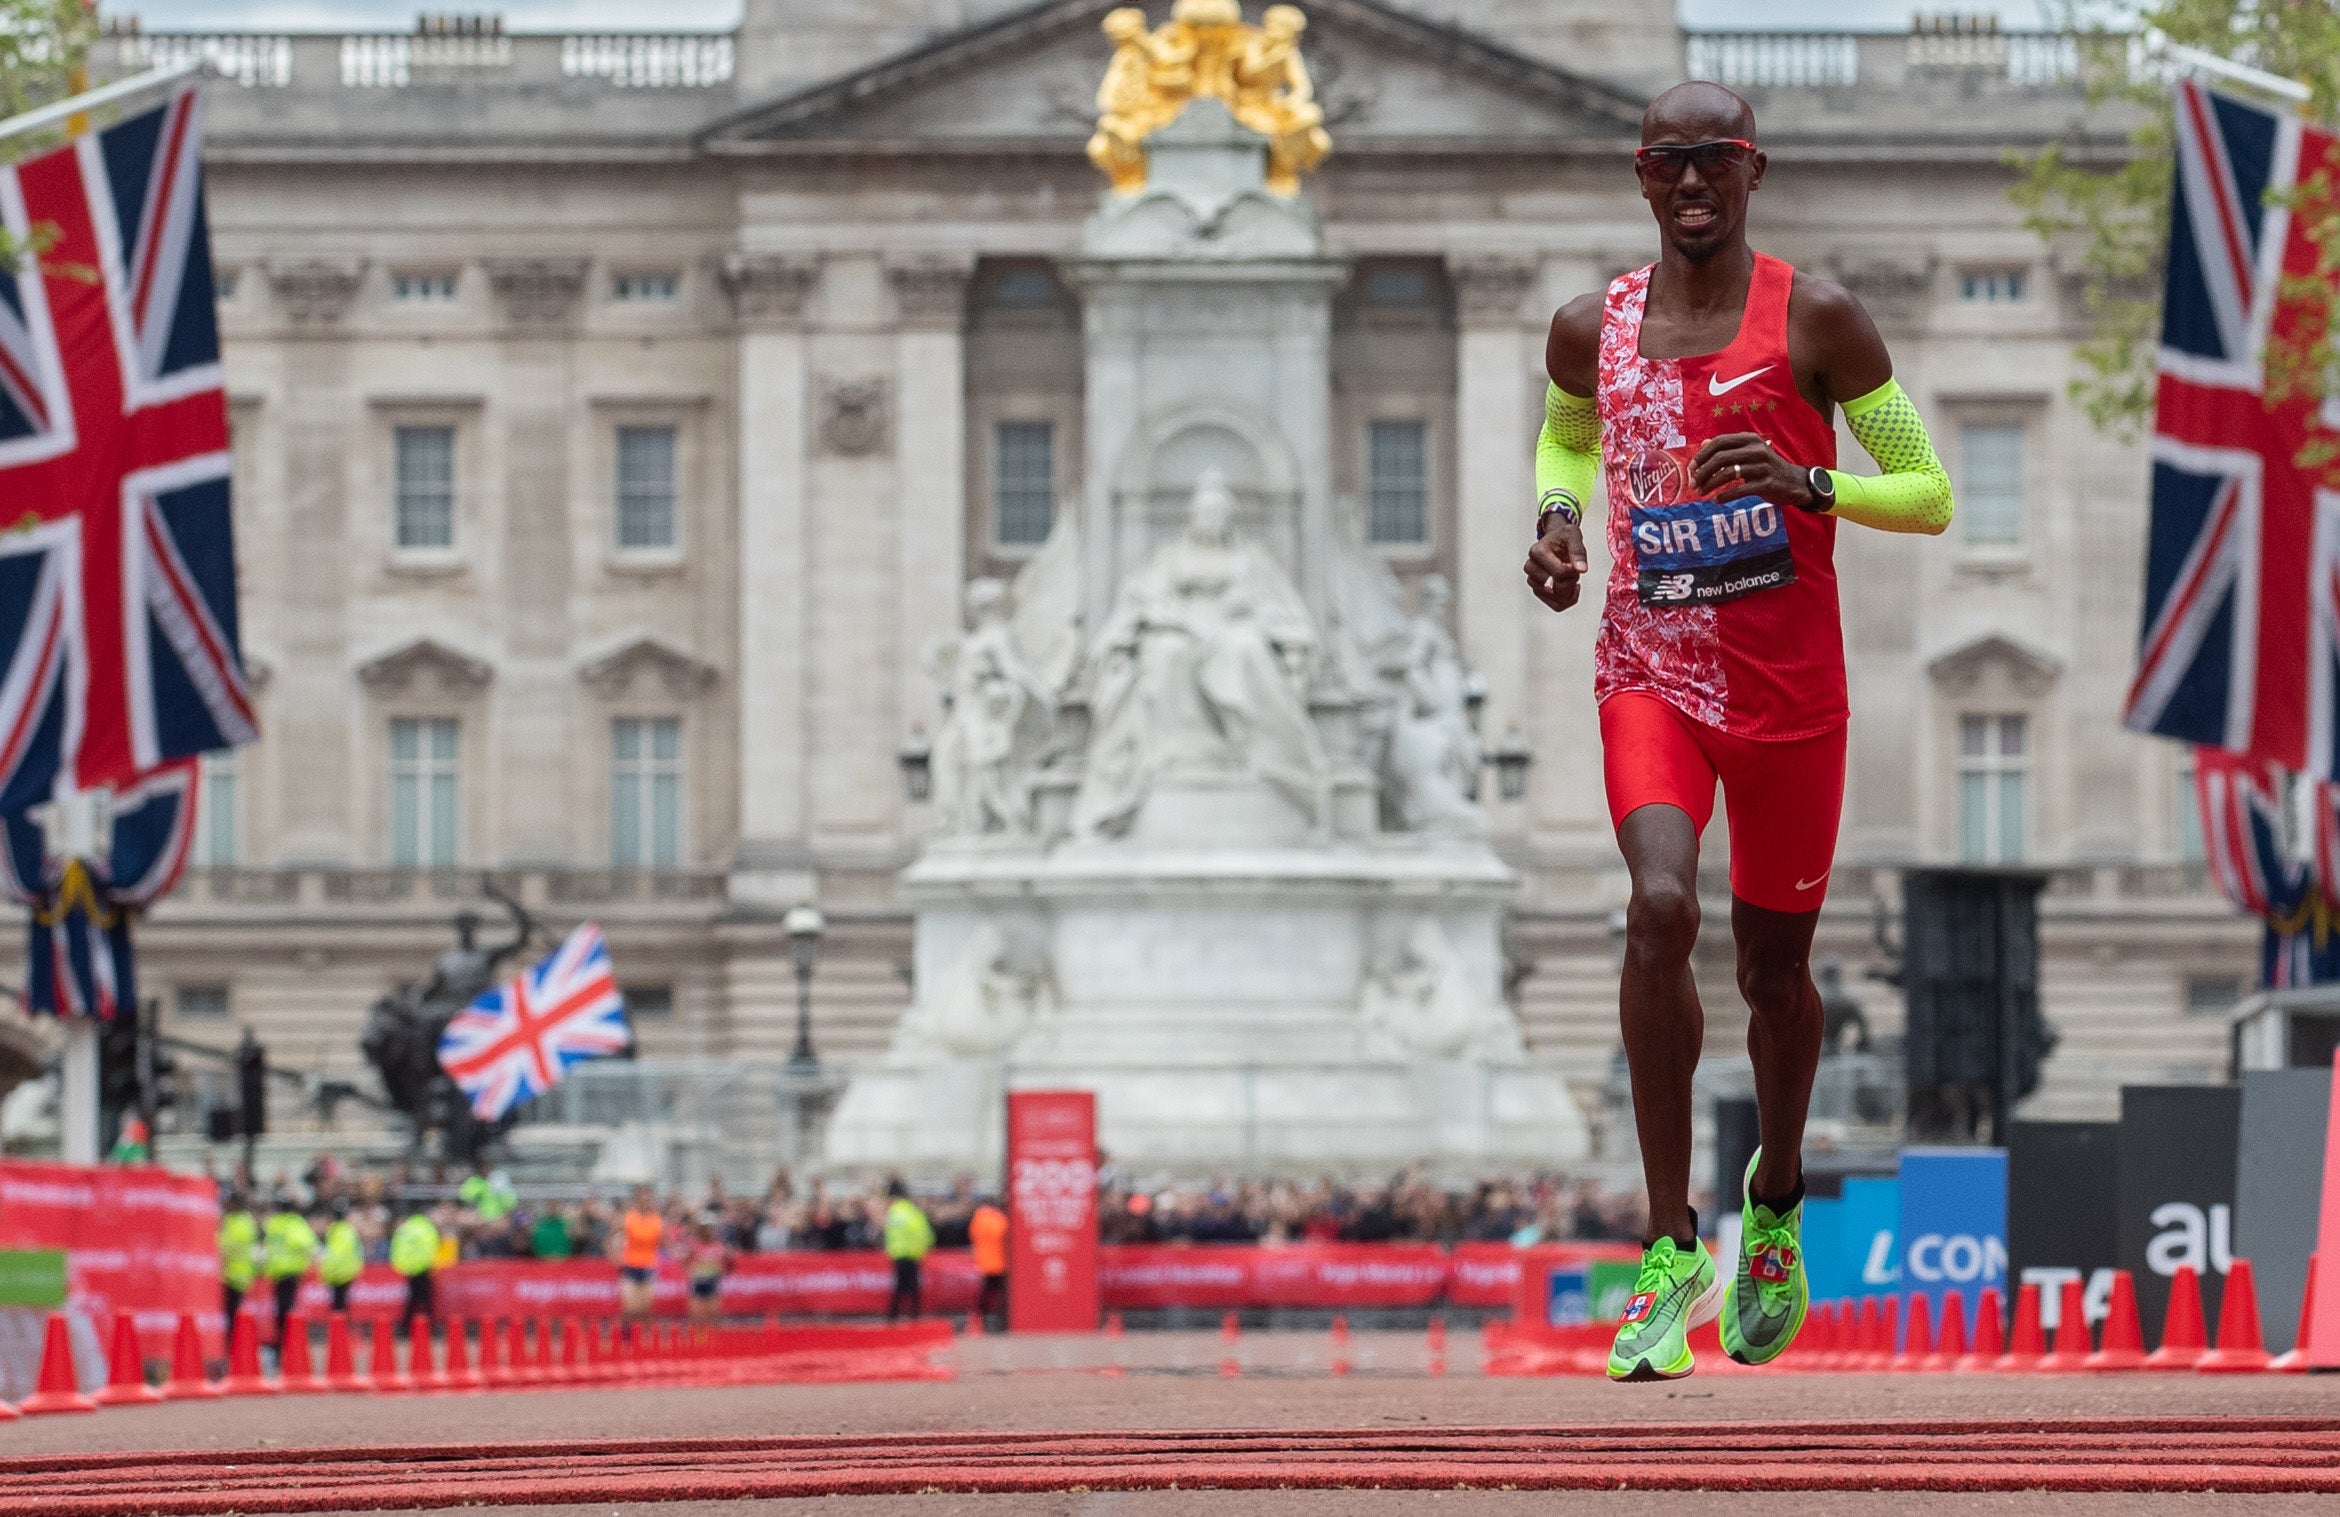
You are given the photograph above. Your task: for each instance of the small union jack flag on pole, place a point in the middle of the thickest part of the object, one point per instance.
(516, 1042)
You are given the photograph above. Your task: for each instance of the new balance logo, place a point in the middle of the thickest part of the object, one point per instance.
(1717, 385)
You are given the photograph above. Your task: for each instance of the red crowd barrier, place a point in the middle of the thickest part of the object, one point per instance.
(135, 1239)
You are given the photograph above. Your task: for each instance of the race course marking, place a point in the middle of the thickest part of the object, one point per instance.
(2143, 1454)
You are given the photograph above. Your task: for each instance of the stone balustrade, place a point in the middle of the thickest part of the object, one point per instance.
(205, 889)
(403, 60)
(1848, 60)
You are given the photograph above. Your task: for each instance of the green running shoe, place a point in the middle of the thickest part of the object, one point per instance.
(1764, 1308)
(1677, 1290)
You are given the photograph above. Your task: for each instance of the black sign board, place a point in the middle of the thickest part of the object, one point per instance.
(2176, 1190)
(2062, 1180)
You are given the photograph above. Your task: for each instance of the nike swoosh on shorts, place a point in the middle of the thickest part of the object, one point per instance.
(1717, 385)
(1804, 885)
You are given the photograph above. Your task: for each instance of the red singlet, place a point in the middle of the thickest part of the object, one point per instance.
(1721, 653)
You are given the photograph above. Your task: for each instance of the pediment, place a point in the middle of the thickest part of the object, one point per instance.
(676, 671)
(425, 660)
(2028, 670)
(1384, 77)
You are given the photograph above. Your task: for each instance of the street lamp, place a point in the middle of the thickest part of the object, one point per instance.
(1510, 761)
(804, 925)
(917, 760)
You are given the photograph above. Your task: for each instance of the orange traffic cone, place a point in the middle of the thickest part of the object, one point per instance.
(1918, 1344)
(1950, 1345)
(244, 1377)
(2123, 1346)
(126, 1369)
(340, 1356)
(2295, 1361)
(1340, 1343)
(2071, 1351)
(2184, 1340)
(2241, 1349)
(295, 1369)
(1990, 1327)
(59, 1390)
(188, 1382)
(1436, 1355)
(2028, 1344)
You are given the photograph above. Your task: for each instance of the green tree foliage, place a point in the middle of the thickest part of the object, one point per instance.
(42, 45)
(2115, 207)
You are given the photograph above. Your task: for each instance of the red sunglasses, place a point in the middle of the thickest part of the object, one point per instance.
(1665, 163)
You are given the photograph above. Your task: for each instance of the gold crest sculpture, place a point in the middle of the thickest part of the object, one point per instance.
(1206, 51)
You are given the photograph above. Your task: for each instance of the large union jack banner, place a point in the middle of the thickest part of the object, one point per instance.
(2242, 607)
(118, 642)
(517, 1040)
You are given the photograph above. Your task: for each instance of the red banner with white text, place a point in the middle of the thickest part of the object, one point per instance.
(135, 1239)
(1052, 1211)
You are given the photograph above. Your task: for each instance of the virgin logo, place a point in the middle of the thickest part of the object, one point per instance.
(1651, 477)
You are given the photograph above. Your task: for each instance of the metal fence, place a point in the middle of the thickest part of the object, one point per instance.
(677, 1123)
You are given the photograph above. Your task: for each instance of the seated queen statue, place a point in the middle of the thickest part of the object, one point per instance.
(1202, 669)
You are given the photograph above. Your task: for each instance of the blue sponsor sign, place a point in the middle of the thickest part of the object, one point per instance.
(1953, 1224)
(1848, 1242)
(1567, 1296)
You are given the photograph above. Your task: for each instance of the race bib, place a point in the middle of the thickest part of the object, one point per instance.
(1701, 552)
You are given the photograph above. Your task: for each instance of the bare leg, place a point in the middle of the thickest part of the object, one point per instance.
(1783, 1034)
(1664, 1026)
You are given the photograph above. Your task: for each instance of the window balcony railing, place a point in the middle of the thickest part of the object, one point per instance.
(296, 888)
(1886, 60)
(408, 60)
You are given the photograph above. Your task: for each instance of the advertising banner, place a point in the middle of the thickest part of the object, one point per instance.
(1953, 1225)
(2175, 1190)
(1052, 1211)
(2061, 1209)
(1853, 1254)
(133, 1238)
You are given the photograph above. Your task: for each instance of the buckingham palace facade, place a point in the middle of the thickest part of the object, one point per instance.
(618, 420)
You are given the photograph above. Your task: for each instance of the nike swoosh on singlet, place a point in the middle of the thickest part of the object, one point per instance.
(1717, 385)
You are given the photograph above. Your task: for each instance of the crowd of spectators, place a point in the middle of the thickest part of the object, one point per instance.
(486, 1217)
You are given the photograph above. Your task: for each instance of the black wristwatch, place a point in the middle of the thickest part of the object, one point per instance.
(1823, 491)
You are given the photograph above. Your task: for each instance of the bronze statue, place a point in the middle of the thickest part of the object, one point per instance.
(1205, 51)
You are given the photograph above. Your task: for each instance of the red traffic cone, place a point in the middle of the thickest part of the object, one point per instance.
(1844, 1345)
(244, 1377)
(126, 1369)
(1113, 1324)
(2241, 1349)
(2184, 1338)
(2295, 1361)
(296, 1370)
(2028, 1344)
(1888, 1333)
(340, 1356)
(1950, 1345)
(975, 1324)
(2123, 1346)
(421, 1361)
(1918, 1344)
(1990, 1327)
(459, 1373)
(59, 1390)
(2071, 1351)
(382, 1371)
(573, 1351)
(188, 1382)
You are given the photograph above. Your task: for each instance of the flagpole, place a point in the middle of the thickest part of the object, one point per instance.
(2158, 45)
(58, 113)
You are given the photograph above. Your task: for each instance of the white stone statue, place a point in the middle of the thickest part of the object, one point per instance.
(1001, 715)
(1420, 1003)
(1433, 762)
(1203, 665)
(985, 1000)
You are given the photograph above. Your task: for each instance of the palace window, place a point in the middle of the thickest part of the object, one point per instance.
(2000, 286)
(653, 1003)
(645, 792)
(2188, 805)
(431, 286)
(1400, 287)
(215, 810)
(1397, 483)
(1994, 780)
(202, 1003)
(1990, 485)
(1026, 289)
(1023, 488)
(424, 466)
(645, 487)
(423, 789)
(645, 286)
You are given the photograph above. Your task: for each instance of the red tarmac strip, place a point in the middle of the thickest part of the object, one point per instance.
(2176, 1454)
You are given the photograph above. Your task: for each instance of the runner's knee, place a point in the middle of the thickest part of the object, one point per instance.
(1661, 919)
(1777, 983)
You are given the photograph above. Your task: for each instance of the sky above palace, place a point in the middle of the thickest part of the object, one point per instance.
(711, 15)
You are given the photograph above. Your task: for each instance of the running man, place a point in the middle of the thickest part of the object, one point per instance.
(1707, 384)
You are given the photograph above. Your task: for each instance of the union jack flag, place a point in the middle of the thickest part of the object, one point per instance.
(2240, 803)
(118, 640)
(2241, 642)
(515, 1042)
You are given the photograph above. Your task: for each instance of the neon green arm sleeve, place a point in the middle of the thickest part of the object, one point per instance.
(1913, 494)
(1568, 453)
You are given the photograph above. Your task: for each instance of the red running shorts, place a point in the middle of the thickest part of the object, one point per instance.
(1783, 798)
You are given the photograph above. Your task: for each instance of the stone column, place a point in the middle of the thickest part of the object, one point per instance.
(318, 718)
(930, 443)
(768, 295)
(1497, 359)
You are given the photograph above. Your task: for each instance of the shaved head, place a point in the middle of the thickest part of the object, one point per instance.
(1699, 111)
